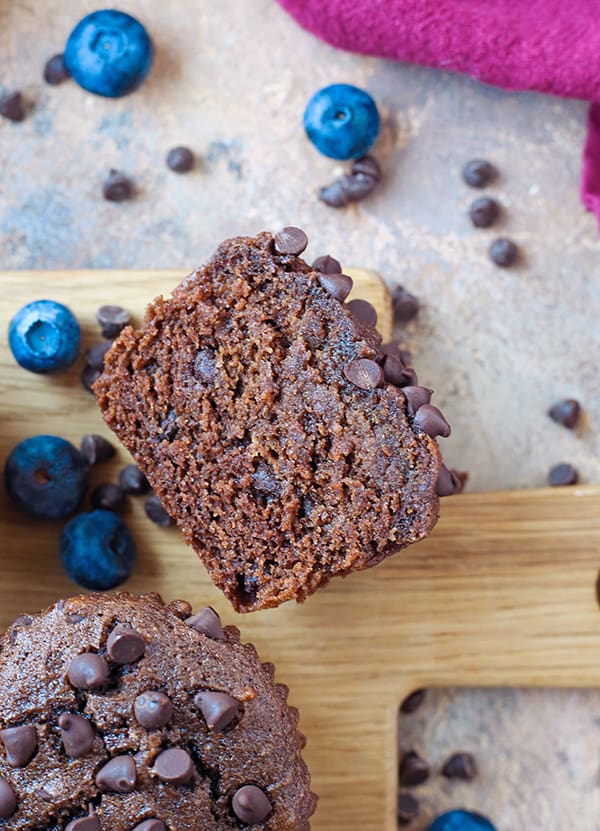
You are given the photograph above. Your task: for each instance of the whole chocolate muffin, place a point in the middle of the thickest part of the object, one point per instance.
(287, 444)
(119, 713)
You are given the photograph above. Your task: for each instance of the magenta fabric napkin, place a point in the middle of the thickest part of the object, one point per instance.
(550, 46)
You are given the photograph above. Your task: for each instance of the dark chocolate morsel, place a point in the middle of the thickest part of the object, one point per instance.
(395, 372)
(208, 622)
(8, 800)
(327, 265)
(290, 240)
(180, 159)
(117, 187)
(460, 766)
(407, 808)
(363, 311)
(413, 769)
(404, 304)
(448, 482)
(428, 419)
(416, 397)
(563, 474)
(96, 449)
(119, 775)
(337, 285)
(88, 671)
(89, 823)
(55, 71)
(413, 701)
(133, 481)
(151, 825)
(484, 212)
(112, 320)
(153, 709)
(566, 412)
(357, 186)
(363, 373)
(155, 511)
(218, 709)
(175, 766)
(96, 354)
(77, 733)
(20, 744)
(334, 195)
(368, 166)
(12, 108)
(251, 804)
(108, 496)
(125, 645)
(503, 252)
(89, 376)
(478, 173)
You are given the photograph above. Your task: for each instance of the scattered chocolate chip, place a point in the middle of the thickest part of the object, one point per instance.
(408, 808)
(478, 173)
(416, 397)
(96, 354)
(55, 71)
(125, 645)
(11, 107)
(364, 373)
(327, 265)
(392, 347)
(180, 159)
(119, 775)
(413, 769)
(251, 804)
(413, 701)
(219, 709)
(363, 311)
(562, 474)
(153, 709)
(448, 482)
(88, 671)
(484, 212)
(8, 800)
(89, 823)
(156, 512)
(460, 766)
(503, 252)
(151, 825)
(566, 412)
(117, 187)
(89, 376)
(404, 304)
(290, 241)
(367, 166)
(334, 194)
(109, 497)
(428, 419)
(96, 448)
(174, 765)
(112, 320)
(20, 744)
(208, 622)
(395, 372)
(77, 734)
(133, 481)
(357, 186)
(337, 285)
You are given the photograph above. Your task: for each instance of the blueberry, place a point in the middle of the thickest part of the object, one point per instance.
(44, 336)
(97, 550)
(109, 53)
(46, 477)
(341, 121)
(461, 821)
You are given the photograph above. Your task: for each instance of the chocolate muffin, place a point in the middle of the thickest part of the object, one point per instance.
(120, 713)
(286, 443)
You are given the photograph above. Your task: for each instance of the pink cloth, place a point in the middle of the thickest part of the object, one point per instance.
(550, 46)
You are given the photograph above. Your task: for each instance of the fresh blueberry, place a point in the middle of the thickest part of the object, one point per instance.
(341, 121)
(46, 477)
(461, 821)
(109, 53)
(44, 336)
(97, 550)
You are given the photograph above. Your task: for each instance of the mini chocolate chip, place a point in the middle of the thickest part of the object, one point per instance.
(151, 825)
(368, 166)
(503, 252)
(208, 622)
(428, 419)
(413, 701)
(89, 823)
(8, 800)
(566, 412)
(88, 671)
(364, 373)
(327, 265)
(77, 734)
(363, 311)
(251, 804)
(20, 744)
(338, 286)
(413, 770)
(133, 481)
(96, 448)
(175, 766)
(484, 211)
(108, 496)
(112, 320)
(180, 159)
(11, 107)
(448, 482)
(118, 775)
(55, 71)
(96, 353)
(334, 194)
(407, 808)
(395, 372)
(404, 304)
(416, 397)
(156, 512)
(290, 240)
(117, 187)
(460, 766)
(478, 173)
(89, 376)
(562, 474)
(125, 645)
(219, 709)
(357, 186)
(153, 709)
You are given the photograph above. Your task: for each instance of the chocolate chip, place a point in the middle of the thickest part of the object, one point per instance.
(180, 159)
(208, 622)
(484, 212)
(96, 448)
(327, 265)
(357, 186)
(180, 608)
(119, 775)
(11, 107)
(396, 373)
(251, 804)
(8, 800)
(112, 320)
(219, 709)
(334, 195)
(503, 252)
(290, 241)
(364, 373)
(478, 173)
(448, 482)
(566, 412)
(174, 765)
(404, 304)
(153, 709)
(392, 347)
(117, 187)
(96, 354)
(20, 744)
(156, 513)
(337, 285)
(363, 311)
(133, 481)
(368, 166)
(55, 71)
(107, 496)
(88, 671)
(77, 734)
(89, 376)
(413, 769)
(151, 825)
(89, 823)
(563, 474)
(460, 766)
(413, 701)
(428, 419)
(125, 645)
(416, 397)
(407, 808)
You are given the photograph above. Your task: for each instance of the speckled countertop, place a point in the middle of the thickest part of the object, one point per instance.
(231, 80)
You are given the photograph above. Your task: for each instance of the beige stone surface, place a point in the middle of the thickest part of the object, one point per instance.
(231, 80)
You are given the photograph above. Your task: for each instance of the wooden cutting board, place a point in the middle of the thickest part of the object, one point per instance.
(503, 592)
